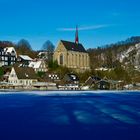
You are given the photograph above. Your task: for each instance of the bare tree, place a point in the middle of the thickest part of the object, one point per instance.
(49, 48)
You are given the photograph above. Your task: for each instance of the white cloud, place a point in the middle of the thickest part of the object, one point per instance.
(84, 28)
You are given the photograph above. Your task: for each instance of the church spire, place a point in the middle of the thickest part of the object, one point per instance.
(76, 36)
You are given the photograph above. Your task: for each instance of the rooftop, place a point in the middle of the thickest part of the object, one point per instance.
(72, 46)
(26, 57)
(25, 73)
(35, 64)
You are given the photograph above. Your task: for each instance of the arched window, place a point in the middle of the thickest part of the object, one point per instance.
(61, 59)
(76, 59)
(79, 60)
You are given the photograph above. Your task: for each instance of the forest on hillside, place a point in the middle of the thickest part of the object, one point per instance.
(107, 55)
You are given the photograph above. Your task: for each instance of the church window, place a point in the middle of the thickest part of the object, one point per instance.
(76, 59)
(61, 59)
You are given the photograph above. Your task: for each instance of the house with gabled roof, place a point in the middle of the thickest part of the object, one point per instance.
(23, 76)
(72, 55)
(38, 66)
(8, 56)
(24, 59)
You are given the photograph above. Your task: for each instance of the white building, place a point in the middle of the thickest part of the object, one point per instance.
(22, 76)
(38, 66)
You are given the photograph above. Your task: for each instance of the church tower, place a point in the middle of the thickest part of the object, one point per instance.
(72, 55)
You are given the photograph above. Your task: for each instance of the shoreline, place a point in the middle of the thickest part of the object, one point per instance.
(66, 92)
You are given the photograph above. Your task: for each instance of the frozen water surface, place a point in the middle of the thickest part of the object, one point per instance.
(67, 115)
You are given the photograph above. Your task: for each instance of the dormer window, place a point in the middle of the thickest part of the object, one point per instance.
(26, 75)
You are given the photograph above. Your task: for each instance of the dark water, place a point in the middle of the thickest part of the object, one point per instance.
(86, 116)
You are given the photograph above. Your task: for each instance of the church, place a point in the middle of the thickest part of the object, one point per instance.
(72, 55)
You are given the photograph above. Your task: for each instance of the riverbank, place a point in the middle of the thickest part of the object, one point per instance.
(67, 93)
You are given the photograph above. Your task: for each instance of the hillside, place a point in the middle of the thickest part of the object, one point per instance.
(126, 53)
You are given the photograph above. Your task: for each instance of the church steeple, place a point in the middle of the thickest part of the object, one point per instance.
(76, 36)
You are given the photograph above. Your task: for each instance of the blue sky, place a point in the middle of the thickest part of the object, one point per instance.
(100, 21)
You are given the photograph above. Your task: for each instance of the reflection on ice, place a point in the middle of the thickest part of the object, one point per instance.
(123, 118)
(116, 114)
(130, 109)
(84, 117)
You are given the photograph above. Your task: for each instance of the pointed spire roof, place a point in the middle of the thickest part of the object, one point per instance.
(76, 36)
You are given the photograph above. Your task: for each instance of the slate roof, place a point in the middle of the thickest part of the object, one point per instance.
(72, 46)
(25, 73)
